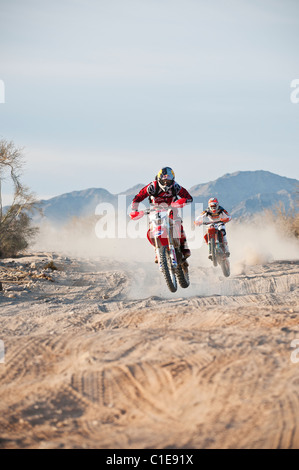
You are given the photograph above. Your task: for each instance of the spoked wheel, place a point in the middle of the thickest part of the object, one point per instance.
(225, 266)
(182, 272)
(183, 275)
(167, 269)
(223, 260)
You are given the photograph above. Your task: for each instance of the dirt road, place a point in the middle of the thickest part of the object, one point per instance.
(99, 355)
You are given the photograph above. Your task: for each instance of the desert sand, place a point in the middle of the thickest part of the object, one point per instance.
(99, 354)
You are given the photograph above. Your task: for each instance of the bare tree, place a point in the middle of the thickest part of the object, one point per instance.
(15, 226)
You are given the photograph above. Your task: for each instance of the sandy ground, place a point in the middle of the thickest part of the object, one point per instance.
(98, 354)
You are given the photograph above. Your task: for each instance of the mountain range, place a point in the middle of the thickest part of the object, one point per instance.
(242, 193)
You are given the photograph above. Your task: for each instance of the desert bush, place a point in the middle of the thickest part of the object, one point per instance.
(15, 235)
(15, 222)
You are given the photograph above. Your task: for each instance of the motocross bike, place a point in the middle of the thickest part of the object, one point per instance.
(164, 235)
(216, 248)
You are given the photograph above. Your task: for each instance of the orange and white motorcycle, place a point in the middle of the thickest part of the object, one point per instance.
(214, 239)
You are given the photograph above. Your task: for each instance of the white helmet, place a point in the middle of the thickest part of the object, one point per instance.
(213, 204)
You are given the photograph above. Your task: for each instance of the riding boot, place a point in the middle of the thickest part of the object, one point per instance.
(185, 249)
(225, 246)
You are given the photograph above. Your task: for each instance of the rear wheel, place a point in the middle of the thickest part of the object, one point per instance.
(225, 266)
(167, 269)
(183, 275)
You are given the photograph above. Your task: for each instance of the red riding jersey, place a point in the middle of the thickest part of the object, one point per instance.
(157, 196)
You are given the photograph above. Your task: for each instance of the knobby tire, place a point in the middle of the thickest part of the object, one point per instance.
(165, 257)
(183, 276)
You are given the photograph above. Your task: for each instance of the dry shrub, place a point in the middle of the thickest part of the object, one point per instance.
(15, 227)
(286, 221)
(15, 236)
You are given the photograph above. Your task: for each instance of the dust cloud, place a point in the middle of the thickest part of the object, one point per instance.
(252, 243)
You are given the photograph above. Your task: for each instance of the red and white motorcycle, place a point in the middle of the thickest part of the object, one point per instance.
(164, 234)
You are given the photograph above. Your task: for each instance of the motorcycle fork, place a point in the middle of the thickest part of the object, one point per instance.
(158, 253)
(171, 246)
(210, 244)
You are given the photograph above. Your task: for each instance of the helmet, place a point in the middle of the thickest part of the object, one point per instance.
(165, 178)
(213, 204)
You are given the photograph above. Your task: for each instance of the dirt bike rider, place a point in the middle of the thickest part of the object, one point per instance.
(164, 189)
(215, 213)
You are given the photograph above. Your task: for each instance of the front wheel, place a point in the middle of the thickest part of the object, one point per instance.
(167, 269)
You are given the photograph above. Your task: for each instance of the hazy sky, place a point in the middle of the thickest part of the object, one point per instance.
(102, 93)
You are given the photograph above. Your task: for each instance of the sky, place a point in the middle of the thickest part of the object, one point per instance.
(103, 93)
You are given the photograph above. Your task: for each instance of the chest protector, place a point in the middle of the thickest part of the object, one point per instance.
(158, 192)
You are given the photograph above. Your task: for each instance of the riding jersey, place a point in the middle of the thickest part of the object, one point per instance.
(157, 196)
(216, 216)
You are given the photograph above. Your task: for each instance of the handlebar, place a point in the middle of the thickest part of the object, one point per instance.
(160, 209)
(208, 223)
(138, 214)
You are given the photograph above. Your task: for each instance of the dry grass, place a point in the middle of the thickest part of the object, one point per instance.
(286, 221)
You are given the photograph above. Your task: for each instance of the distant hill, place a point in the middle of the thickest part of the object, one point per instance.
(77, 203)
(243, 193)
(134, 190)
